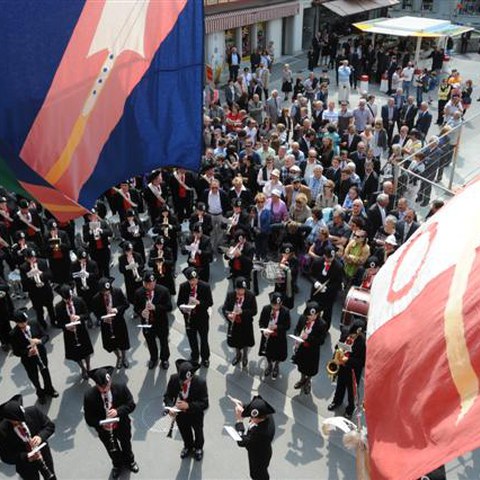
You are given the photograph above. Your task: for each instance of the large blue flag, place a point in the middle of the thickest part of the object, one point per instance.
(96, 91)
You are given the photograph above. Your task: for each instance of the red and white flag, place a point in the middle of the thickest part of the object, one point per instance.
(423, 350)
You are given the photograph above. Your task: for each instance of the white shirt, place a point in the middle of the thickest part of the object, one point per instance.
(214, 203)
(407, 74)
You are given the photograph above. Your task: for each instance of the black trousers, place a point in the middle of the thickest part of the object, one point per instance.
(191, 430)
(345, 382)
(33, 470)
(102, 257)
(120, 449)
(196, 330)
(32, 367)
(160, 331)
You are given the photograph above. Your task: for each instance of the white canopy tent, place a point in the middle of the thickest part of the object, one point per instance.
(419, 27)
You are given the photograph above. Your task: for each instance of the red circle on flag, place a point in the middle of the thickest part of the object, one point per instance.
(395, 295)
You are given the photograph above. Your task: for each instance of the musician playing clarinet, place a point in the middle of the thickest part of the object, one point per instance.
(58, 253)
(350, 368)
(132, 231)
(311, 329)
(28, 341)
(288, 263)
(162, 262)
(194, 300)
(97, 234)
(274, 322)
(152, 304)
(240, 257)
(189, 394)
(109, 306)
(72, 315)
(22, 432)
(326, 276)
(113, 401)
(131, 264)
(239, 309)
(199, 250)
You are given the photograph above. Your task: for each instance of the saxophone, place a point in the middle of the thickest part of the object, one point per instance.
(342, 350)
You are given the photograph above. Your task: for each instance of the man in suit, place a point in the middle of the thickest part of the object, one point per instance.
(233, 60)
(231, 93)
(376, 214)
(350, 139)
(28, 341)
(273, 106)
(407, 227)
(296, 187)
(21, 431)
(194, 300)
(152, 303)
(358, 158)
(390, 115)
(408, 113)
(369, 183)
(111, 400)
(188, 393)
(424, 119)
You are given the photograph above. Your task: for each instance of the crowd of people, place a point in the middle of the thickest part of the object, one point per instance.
(304, 185)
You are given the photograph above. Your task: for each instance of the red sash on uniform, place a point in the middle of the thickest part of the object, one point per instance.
(236, 264)
(182, 192)
(57, 254)
(99, 244)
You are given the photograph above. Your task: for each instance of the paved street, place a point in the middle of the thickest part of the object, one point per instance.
(299, 450)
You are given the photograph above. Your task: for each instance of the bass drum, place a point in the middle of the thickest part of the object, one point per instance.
(357, 303)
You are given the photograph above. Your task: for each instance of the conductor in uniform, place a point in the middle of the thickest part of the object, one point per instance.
(21, 431)
(189, 394)
(107, 400)
(258, 436)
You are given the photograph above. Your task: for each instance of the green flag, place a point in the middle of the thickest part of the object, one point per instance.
(9, 180)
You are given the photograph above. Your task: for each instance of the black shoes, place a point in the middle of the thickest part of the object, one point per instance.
(125, 363)
(275, 372)
(165, 364)
(151, 364)
(245, 361)
(185, 452)
(268, 370)
(198, 455)
(133, 467)
(119, 364)
(116, 472)
(299, 384)
(52, 393)
(206, 363)
(333, 406)
(236, 360)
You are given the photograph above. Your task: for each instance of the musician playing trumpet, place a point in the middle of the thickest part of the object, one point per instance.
(188, 393)
(131, 264)
(28, 341)
(72, 314)
(199, 250)
(350, 367)
(168, 227)
(58, 252)
(240, 257)
(162, 263)
(111, 400)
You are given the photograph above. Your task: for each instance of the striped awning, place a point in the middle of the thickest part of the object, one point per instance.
(344, 8)
(239, 18)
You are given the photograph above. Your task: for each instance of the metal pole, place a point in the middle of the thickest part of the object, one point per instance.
(373, 40)
(417, 51)
(455, 156)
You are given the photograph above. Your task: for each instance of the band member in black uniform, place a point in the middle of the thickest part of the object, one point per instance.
(21, 431)
(161, 262)
(127, 198)
(19, 248)
(7, 218)
(58, 253)
(72, 314)
(182, 186)
(5, 255)
(109, 306)
(326, 276)
(36, 277)
(257, 438)
(350, 367)
(111, 400)
(275, 322)
(240, 257)
(188, 393)
(312, 330)
(167, 225)
(194, 300)
(155, 195)
(238, 220)
(132, 231)
(85, 274)
(28, 220)
(152, 304)
(131, 264)
(239, 309)
(97, 234)
(6, 312)
(28, 341)
(68, 227)
(201, 216)
(199, 250)
(288, 262)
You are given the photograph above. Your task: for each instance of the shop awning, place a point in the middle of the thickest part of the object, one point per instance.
(226, 21)
(412, 27)
(344, 8)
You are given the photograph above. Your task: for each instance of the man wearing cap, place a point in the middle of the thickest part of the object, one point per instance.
(194, 300)
(326, 277)
(389, 246)
(72, 314)
(202, 216)
(288, 263)
(257, 438)
(291, 191)
(189, 394)
(312, 330)
(97, 234)
(36, 277)
(109, 306)
(350, 368)
(127, 198)
(274, 324)
(239, 309)
(111, 400)
(168, 227)
(28, 341)
(28, 220)
(182, 185)
(162, 263)
(199, 250)
(152, 304)
(130, 265)
(240, 257)
(131, 230)
(85, 275)
(237, 221)
(19, 248)
(58, 252)
(155, 194)
(21, 431)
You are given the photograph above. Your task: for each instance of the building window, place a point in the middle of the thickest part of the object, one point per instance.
(407, 4)
(427, 5)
